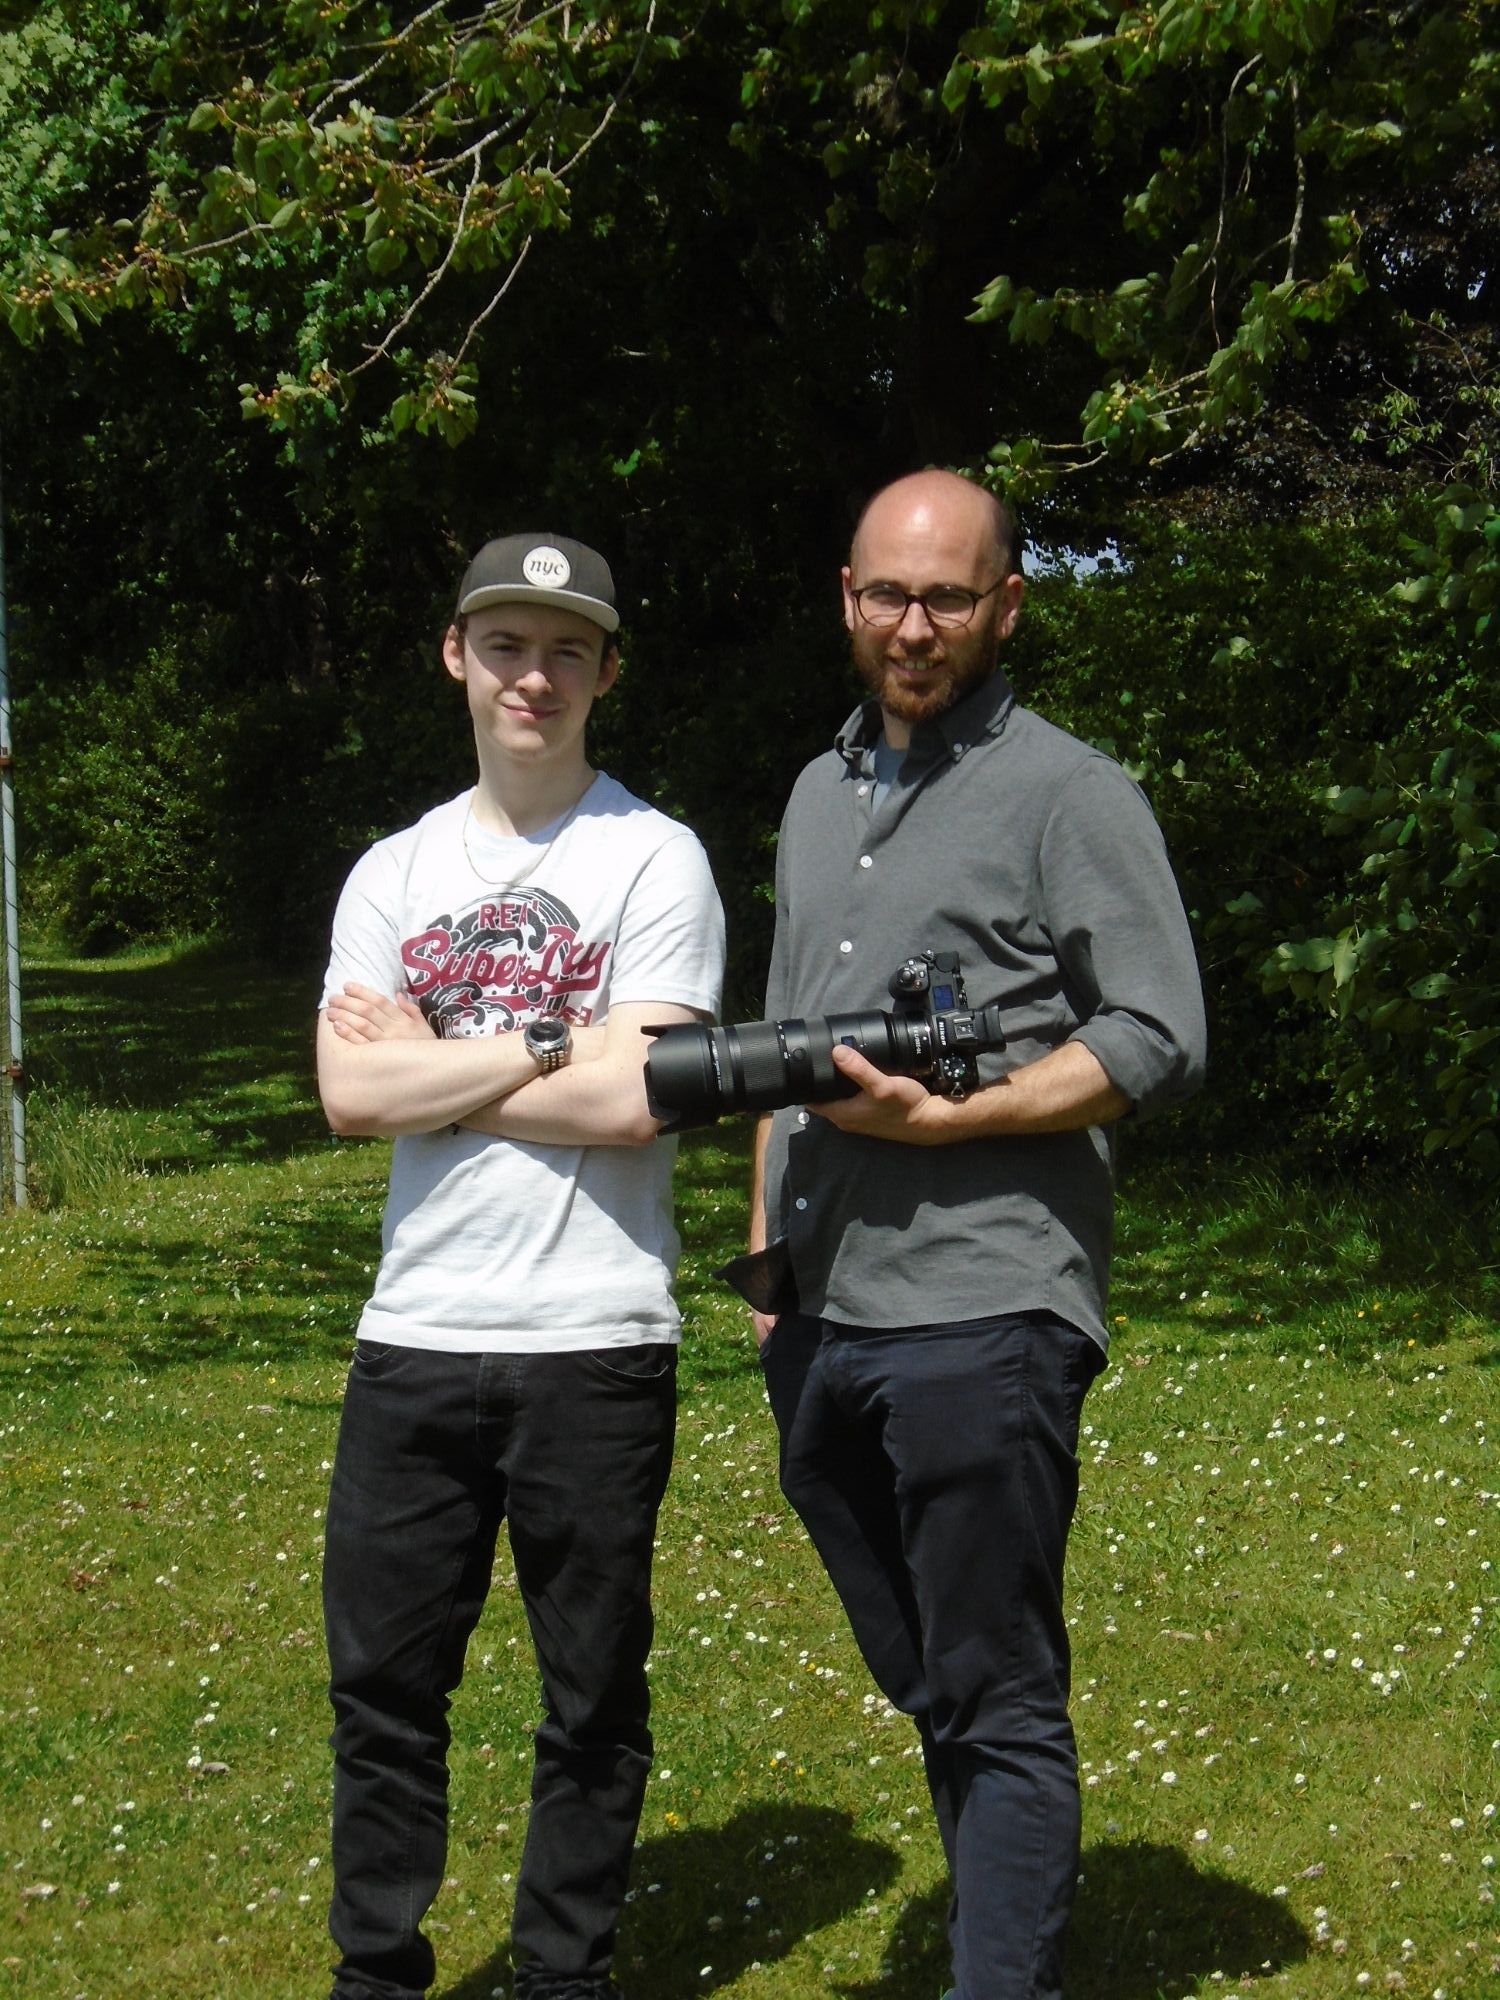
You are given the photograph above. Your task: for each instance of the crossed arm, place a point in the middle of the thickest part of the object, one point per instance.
(383, 1073)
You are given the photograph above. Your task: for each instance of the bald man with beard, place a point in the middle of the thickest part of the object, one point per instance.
(944, 1259)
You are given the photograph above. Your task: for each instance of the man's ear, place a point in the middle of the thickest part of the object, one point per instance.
(846, 577)
(1011, 593)
(609, 669)
(453, 652)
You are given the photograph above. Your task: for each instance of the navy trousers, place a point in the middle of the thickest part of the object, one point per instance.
(572, 1450)
(936, 1470)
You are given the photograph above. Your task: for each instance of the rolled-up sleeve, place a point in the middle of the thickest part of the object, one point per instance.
(1121, 935)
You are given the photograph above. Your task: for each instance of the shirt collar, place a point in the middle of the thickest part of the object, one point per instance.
(983, 712)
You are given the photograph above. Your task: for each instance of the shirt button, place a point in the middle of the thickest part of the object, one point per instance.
(865, 861)
(804, 1117)
(864, 791)
(846, 945)
(958, 751)
(801, 1201)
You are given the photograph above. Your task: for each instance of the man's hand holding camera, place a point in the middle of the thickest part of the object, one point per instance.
(1062, 1091)
(888, 1107)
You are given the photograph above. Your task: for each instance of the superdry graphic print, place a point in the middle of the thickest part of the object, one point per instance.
(499, 964)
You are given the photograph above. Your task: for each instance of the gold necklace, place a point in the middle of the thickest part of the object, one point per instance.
(516, 882)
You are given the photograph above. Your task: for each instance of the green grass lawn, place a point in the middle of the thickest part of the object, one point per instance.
(1282, 1587)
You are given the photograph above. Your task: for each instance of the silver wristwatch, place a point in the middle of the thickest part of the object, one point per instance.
(549, 1043)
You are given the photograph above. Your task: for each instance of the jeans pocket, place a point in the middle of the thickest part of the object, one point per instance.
(374, 1358)
(649, 1362)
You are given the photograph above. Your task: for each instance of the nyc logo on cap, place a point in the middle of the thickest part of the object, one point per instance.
(546, 567)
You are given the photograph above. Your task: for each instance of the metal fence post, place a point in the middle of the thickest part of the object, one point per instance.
(12, 1070)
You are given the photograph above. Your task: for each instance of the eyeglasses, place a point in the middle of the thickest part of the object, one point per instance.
(948, 607)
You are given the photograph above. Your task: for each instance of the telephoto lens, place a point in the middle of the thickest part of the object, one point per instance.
(696, 1074)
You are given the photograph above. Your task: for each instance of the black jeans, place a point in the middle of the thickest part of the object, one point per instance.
(572, 1450)
(935, 1469)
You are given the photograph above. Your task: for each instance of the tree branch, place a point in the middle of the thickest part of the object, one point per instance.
(510, 278)
(1295, 236)
(1213, 290)
(192, 250)
(348, 86)
(461, 30)
(384, 347)
(615, 102)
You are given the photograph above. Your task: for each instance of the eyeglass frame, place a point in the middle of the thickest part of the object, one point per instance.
(920, 597)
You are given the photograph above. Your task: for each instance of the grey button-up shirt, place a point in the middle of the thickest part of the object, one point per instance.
(1038, 861)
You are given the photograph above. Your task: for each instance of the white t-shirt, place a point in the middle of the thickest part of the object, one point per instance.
(497, 1245)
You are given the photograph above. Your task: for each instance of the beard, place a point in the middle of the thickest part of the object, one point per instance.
(955, 670)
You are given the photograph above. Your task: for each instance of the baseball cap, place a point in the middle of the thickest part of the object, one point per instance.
(540, 569)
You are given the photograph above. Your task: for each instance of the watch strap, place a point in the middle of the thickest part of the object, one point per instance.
(547, 1053)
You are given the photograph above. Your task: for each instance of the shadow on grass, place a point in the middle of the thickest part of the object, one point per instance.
(195, 1033)
(804, 1863)
(276, 1279)
(1357, 1263)
(1147, 1922)
(276, 1268)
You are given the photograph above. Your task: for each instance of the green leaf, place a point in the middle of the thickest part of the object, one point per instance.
(957, 85)
(1350, 803)
(1432, 987)
(385, 254)
(1308, 955)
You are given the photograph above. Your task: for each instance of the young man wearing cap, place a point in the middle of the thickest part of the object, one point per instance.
(493, 968)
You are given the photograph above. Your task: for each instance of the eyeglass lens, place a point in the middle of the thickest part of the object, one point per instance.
(884, 604)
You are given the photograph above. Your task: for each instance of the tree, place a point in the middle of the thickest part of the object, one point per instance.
(349, 164)
(1212, 284)
(1176, 209)
(1167, 213)
(1398, 942)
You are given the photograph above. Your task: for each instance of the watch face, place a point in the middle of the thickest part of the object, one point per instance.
(549, 1042)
